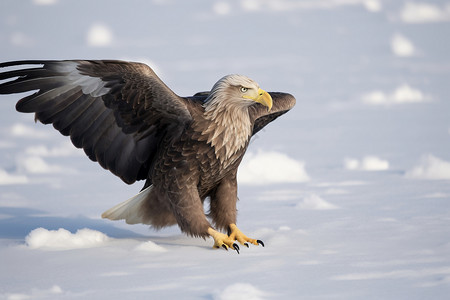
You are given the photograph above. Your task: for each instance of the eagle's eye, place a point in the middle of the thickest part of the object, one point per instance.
(244, 89)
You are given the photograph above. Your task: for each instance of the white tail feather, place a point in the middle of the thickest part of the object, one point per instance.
(130, 210)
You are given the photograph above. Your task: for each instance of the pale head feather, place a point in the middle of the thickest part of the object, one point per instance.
(230, 126)
(226, 92)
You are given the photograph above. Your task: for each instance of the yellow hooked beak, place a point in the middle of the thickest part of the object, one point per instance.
(264, 98)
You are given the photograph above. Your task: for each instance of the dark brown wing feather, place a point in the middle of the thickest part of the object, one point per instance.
(282, 103)
(116, 111)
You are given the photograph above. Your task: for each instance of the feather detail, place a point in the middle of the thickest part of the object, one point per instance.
(232, 136)
(230, 128)
(130, 210)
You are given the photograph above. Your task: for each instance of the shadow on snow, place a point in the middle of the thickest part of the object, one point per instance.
(17, 222)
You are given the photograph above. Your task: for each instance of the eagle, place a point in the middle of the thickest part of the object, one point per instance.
(187, 149)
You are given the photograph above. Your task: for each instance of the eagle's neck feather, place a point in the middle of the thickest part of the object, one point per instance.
(229, 128)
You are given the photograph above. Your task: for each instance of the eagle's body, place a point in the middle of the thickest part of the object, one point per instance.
(186, 148)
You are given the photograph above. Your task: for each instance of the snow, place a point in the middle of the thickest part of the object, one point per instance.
(26, 131)
(421, 12)
(315, 202)
(349, 191)
(221, 8)
(373, 5)
(45, 2)
(368, 163)
(64, 149)
(149, 246)
(36, 294)
(6, 178)
(402, 46)
(430, 167)
(61, 239)
(404, 94)
(37, 165)
(271, 167)
(21, 40)
(240, 291)
(99, 35)
(285, 5)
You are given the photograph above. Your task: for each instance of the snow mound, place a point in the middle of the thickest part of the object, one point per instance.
(403, 94)
(280, 6)
(36, 294)
(314, 202)
(271, 167)
(150, 246)
(240, 291)
(413, 12)
(37, 165)
(222, 8)
(430, 167)
(401, 46)
(45, 2)
(99, 35)
(64, 149)
(6, 178)
(62, 239)
(368, 163)
(22, 130)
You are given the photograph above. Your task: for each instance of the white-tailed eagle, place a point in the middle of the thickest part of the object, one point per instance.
(125, 118)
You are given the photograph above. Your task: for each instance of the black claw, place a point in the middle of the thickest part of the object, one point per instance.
(260, 242)
(246, 245)
(236, 247)
(224, 247)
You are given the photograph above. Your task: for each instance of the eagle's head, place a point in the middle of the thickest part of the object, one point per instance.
(229, 126)
(236, 91)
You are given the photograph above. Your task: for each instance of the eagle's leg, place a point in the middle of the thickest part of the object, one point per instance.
(236, 234)
(222, 240)
(223, 212)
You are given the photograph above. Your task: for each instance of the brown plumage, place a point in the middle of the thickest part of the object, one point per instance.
(125, 118)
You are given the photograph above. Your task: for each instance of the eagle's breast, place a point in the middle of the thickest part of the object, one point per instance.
(227, 133)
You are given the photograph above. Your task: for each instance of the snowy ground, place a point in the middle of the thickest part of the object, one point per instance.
(354, 193)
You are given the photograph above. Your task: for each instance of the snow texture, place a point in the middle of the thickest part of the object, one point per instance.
(149, 246)
(240, 291)
(422, 12)
(62, 239)
(404, 94)
(402, 46)
(315, 202)
(349, 191)
(430, 167)
(99, 35)
(270, 168)
(368, 163)
(45, 2)
(6, 178)
(27, 131)
(50, 293)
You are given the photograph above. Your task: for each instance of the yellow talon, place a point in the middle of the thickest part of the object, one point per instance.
(221, 240)
(224, 241)
(236, 234)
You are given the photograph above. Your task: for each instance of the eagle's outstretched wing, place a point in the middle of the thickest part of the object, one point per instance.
(116, 111)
